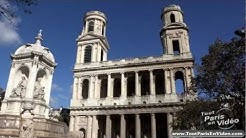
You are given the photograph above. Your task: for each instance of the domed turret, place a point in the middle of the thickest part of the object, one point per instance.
(36, 48)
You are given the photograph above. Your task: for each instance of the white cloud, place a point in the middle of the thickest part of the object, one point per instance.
(8, 29)
(56, 87)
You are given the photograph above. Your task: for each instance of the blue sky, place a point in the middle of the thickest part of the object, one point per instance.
(132, 31)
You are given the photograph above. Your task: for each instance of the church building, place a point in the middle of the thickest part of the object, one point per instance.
(130, 98)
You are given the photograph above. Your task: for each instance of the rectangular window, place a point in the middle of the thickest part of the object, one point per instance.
(176, 50)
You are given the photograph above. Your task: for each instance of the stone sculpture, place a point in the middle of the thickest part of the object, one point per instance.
(38, 90)
(20, 90)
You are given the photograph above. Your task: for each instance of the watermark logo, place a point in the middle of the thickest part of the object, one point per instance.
(223, 118)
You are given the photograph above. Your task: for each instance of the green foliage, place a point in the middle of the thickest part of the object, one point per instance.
(191, 116)
(220, 79)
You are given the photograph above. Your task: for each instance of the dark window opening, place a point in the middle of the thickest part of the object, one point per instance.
(176, 50)
(101, 55)
(91, 26)
(87, 56)
(103, 27)
(172, 18)
(85, 89)
(104, 87)
(130, 86)
(117, 87)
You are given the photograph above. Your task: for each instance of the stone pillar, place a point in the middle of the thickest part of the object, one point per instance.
(80, 87)
(31, 80)
(151, 84)
(172, 76)
(78, 58)
(167, 81)
(153, 126)
(137, 92)
(109, 86)
(123, 90)
(108, 126)
(91, 87)
(137, 126)
(71, 123)
(75, 87)
(94, 127)
(82, 54)
(96, 94)
(122, 126)
(89, 125)
(169, 124)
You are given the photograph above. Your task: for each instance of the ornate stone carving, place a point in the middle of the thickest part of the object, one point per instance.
(26, 130)
(20, 90)
(38, 90)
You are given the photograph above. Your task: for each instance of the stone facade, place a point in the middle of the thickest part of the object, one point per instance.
(130, 98)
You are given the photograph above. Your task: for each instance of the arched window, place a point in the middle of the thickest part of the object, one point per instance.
(172, 18)
(176, 50)
(87, 55)
(85, 89)
(179, 82)
(91, 26)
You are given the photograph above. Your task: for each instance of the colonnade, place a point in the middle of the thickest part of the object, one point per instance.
(95, 86)
(121, 126)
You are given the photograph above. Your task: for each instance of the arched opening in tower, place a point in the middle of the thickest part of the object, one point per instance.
(87, 55)
(179, 83)
(172, 18)
(145, 84)
(176, 49)
(159, 81)
(85, 89)
(91, 26)
(103, 90)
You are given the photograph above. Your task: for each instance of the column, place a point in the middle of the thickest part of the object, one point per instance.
(188, 79)
(151, 84)
(31, 80)
(172, 81)
(169, 124)
(136, 84)
(137, 126)
(96, 87)
(109, 86)
(123, 90)
(78, 60)
(89, 125)
(82, 54)
(75, 87)
(122, 126)
(71, 124)
(91, 87)
(153, 126)
(108, 126)
(167, 82)
(80, 85)
(94, 126)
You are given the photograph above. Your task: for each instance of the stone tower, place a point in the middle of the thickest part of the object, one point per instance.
(174, 34)
(29, 84)
(92, 43)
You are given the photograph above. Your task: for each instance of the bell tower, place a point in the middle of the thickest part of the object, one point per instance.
(92, 43)
(174, 34)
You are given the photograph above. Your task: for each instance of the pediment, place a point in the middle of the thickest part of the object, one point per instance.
(91, 37)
